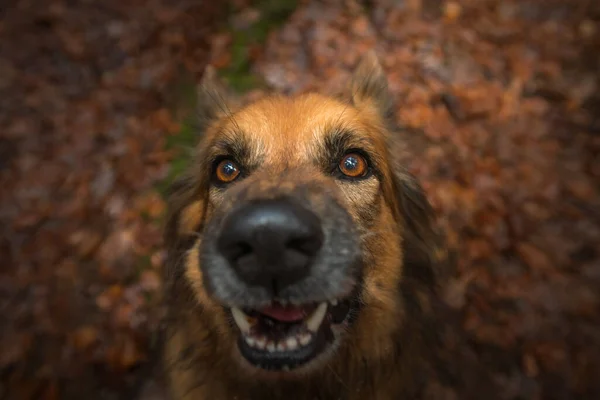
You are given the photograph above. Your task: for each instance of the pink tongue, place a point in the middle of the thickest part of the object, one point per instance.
(283, 313)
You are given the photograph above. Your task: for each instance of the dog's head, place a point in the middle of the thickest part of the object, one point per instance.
(300, 223)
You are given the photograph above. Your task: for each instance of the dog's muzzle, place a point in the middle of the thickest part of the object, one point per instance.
(274, 246)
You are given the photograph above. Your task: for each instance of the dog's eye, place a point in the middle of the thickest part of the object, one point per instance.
(354, 165)
(227, 171)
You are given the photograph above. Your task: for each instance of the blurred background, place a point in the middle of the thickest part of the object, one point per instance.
(501, 99)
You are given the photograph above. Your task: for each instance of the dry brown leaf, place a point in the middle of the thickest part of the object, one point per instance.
(534, 257)
(109, 298)
(84, 337)
(150, 281)
(452, 10)
(86, 242)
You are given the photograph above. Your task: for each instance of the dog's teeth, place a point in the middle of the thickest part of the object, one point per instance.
(250, 340)
(240, 319)
(314, 321)
(280, 346)
(291, 343)
(285, 368)
(334, 302)
(271, 347)
(304, 339)
(261, 342)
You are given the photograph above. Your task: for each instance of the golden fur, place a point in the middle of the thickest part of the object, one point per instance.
(390, 349)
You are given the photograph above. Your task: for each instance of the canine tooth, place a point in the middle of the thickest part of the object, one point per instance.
(291, 343)
(271, 347)
(240, 319)
(261, 342)
(280, 346)
(314, 321)
(250, 340)
(334, 302)
(304, 339)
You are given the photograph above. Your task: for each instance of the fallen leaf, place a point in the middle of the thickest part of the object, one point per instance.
(109, 298)
(452, 10)
(150, 281)
(534, 257)
(84, 337)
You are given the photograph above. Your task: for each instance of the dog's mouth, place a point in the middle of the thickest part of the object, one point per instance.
(284, 337)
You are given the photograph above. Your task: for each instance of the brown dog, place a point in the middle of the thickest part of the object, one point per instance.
(303, 262)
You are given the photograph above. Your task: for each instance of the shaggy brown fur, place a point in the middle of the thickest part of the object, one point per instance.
(392, 349)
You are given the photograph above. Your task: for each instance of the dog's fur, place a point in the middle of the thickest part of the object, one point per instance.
(391, 349)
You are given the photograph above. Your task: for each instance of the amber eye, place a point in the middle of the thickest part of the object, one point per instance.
(354, 165)
(227, 171)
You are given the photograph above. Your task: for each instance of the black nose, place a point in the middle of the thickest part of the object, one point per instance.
(271, 243)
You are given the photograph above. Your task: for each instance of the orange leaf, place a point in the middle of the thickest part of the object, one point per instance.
(84, 337)
(533, 257)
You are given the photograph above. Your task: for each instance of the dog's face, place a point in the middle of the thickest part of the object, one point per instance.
(295, 210)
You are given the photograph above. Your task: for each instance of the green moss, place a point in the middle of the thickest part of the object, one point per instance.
(182, 144)
(272, 14)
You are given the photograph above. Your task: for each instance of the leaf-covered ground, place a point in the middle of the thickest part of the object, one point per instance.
(501, 104)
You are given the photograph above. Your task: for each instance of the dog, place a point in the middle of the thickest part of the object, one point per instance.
(303, 259)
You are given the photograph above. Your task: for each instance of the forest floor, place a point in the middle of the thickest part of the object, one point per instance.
(502, 99)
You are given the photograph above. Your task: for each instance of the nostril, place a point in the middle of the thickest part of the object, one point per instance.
(308, 246)
(236, 251)
(233, 247)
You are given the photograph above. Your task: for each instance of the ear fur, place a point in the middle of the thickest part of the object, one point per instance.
(425, 252)
(185, 196)
(214, 99)
(369, 87)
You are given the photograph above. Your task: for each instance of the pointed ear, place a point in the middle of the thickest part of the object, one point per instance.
(369, 86)
(214, 100)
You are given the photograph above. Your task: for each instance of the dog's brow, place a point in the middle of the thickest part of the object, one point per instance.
(233, 144)
(340, 140)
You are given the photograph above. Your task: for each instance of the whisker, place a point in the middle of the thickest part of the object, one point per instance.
(222, 104)
(369, 234)
(339, 379)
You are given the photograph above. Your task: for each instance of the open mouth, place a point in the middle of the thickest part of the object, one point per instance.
(283, 337)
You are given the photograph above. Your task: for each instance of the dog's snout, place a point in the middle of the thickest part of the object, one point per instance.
(271, 243)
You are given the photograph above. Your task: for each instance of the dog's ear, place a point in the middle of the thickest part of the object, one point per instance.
(214, 99)
(186, 195)
(369, 86)
(425, 253)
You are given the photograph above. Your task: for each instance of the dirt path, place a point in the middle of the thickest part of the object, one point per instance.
(501, 104)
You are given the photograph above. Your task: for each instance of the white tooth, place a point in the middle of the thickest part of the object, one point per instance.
(261, 342)
(314, 321)
(271, 347)
(285, 368)
(280, 346)
(291, 343)
(240, 319)
(250, 340)
(334, 302)
(304, 339)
